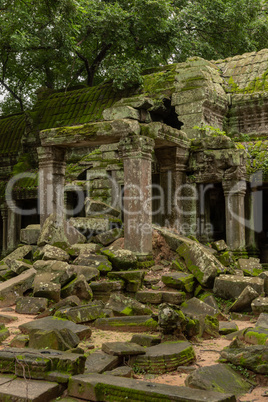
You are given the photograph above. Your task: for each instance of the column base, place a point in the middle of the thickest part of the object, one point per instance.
(239, 253)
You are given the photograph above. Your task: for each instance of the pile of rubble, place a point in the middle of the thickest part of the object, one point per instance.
(75, 288)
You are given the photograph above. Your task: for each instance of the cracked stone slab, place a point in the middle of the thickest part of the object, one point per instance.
(104, 388)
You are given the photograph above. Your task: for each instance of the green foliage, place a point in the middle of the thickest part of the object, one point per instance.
(243, 371)
(212, 131)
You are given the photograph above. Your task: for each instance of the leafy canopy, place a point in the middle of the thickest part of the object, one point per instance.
(61, 43)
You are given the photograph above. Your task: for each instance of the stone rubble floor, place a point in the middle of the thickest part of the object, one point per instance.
(207, 353)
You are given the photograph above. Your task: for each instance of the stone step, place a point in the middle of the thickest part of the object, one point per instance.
(17, 389)
(99, 387)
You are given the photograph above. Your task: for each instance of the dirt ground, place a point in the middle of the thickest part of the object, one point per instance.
(207, 353)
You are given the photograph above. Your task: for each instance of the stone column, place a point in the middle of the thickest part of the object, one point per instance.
(12, 229)
(172, 162)
(137, 157)
(234, 192)
(4, 234)
(51, 182)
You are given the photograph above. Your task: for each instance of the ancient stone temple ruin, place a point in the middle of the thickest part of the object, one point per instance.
(186, 150)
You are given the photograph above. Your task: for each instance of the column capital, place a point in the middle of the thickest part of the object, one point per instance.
(136, 147)
(233, 187)
(51, 154)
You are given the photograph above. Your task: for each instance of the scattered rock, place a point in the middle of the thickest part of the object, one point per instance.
(31, 305)
(15, 287)
(195, 307)
(98, 362)
(145, 340)
(122, 349)
(141, 323)
(126, 306)
(30, 234)
(54, 253)
(52, 323)
(99, 262)
(250, 266)
(219, 378)
(55, 231)
(109, 237)
(122, 371)
(243, 301)
(180, 281)
(231, 286)
(121, 259)
(62, 339)
(19, 254)
(49, 290)
(78, 287)
(260, 305)
(256, 336)
(253, 358)
(84, 313)
(226, 327)
(219, 245)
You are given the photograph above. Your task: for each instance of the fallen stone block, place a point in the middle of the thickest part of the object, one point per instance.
(19, 266)
(90, 273)
(91, 226)
(129, 277)
(19, 254)
(41, 364)
(98, 362)
(19, 341)
(99, 262)
(256, 336)
(149, 296)
(17, 389)
(122, 349)
(121, 259)
(179, 280)
(164, 358)
(219, 378)
(7, 319)
(251, 357)
(31, 305)
(87, 248)
(30, 234)
(127, 324)
(82, 331)
(15, 287)
(126, 306)
(84, 313)
(55, 231)
(54, 253)
(78, 287)
(250, 266)
(226, 327)
(104, 388)
(145, 340)
(260, 305)
(244, 300)
(109, 237)
(103, 290)
(122, 371)
(231, 286)
(4, 333)
(201, 263)
(95, 207)
(62, 339)
(70, 301)
(219, 245)
(195, 308)
(174, 297)
(44, 289)
(262, 320)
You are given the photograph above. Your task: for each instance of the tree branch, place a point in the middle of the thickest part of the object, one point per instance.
(15, 96)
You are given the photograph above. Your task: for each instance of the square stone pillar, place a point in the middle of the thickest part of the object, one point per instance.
(51, 182)
(4, 233)
(13, 229)
(234, 192)
(172, 162)
(137, 157)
